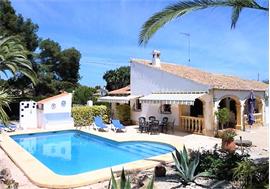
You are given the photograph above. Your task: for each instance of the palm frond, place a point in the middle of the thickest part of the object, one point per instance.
(177, 10)
(13, 58)
(5, 99)
(235, 16)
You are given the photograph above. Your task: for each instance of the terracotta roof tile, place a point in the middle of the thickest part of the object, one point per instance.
(217, 81)
(121, 91)
(53, 97)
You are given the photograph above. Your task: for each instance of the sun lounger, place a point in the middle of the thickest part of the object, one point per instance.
(117, 126)
(8, 128)
(98, 124)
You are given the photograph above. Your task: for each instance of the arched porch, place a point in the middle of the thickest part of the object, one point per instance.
(234, 105)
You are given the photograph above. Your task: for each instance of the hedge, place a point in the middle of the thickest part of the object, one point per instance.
(84, 115)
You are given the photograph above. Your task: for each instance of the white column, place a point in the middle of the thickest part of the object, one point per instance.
(240, 115)
(215, 109)
(263, 112)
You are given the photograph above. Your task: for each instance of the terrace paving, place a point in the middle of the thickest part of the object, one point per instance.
(259, 137)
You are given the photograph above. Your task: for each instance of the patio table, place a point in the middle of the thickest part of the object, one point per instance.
(147, 127)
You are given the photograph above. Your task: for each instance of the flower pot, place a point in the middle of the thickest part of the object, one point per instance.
(228, 145)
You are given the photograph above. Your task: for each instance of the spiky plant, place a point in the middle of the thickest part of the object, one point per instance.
(125, 182)
(13, 58)
(5, 99)
(186, 167)
(181, 8)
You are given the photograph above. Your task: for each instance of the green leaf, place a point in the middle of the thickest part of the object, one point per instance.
(181, 8)
(127, 185)
(123, 179)
(114, 183)
(151, 183)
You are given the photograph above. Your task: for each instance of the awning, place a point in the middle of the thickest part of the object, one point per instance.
(117, 99)
(187, 98)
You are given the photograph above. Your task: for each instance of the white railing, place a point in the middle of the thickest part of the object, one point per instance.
(192, 124)
(257, 116)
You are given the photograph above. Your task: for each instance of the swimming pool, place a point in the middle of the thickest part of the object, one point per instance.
(74, 152)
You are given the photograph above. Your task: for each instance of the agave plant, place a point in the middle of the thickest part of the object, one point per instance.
(186, 167)
(125, 182)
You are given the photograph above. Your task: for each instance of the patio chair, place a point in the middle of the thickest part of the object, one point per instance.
(171, 126)
(117, 126)
(152, 118)
(8, 128)
(142, 124)
(98, 124)
(154, 127)
(164, 124)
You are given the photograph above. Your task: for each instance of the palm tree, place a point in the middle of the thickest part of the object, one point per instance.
(13, 58)
(181, 8)
(5, 99)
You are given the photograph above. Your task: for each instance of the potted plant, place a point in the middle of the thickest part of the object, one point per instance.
(228, 143)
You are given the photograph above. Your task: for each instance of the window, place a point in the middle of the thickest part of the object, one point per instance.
(137, 105)
(40, 106)
(166, 109)
(63, 103)
(53, 106)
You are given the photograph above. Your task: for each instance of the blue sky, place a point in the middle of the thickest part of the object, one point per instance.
(106, 33)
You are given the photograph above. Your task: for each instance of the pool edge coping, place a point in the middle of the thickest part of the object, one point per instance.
(42, 176)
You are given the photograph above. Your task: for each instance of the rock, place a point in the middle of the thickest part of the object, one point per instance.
(160, 171)
(5, 174)
(245, 143)
(138, 181)
(192, 184)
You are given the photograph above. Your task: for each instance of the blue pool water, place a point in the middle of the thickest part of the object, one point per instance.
(74, 152)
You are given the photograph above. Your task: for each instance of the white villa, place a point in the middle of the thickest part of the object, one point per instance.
(187, 95)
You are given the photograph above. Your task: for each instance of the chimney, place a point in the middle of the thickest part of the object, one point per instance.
(156, 58)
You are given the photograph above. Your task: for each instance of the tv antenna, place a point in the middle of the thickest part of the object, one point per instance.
(188, 37)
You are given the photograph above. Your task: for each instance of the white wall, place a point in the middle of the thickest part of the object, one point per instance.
(153, 110)
(146, 80)
(61, 104)
(28, 114)
(59, 108)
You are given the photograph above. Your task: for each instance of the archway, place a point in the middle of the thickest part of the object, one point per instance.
(233, 104)
(196, 110)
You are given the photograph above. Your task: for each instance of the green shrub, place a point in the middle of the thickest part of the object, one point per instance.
(123, 113)
(228, 134)
(252, 175)
(219, 164)
(223, 116)
(84, 115)
(243, 172)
